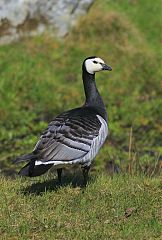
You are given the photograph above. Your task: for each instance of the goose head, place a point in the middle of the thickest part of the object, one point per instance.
(95, 64)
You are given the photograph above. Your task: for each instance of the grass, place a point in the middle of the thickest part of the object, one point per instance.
(121, 207)
(41, 77)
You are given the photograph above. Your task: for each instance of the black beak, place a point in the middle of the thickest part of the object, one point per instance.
(106, 67)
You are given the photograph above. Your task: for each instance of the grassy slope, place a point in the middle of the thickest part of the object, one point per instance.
(46, 212)
(40, 78)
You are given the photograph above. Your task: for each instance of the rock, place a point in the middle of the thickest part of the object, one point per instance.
(130, 211)
(19, 18)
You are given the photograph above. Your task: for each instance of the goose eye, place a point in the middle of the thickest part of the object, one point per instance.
(95, 62)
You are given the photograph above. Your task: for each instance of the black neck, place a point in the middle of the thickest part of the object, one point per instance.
(93, 98)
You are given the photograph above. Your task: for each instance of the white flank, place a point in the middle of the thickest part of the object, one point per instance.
(97, 142)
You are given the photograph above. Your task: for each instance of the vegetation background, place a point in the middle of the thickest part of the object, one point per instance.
(41, 77)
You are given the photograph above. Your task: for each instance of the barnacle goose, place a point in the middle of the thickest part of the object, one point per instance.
(75, 136)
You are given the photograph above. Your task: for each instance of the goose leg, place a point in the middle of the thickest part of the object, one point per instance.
(59, 172)
(85, 174)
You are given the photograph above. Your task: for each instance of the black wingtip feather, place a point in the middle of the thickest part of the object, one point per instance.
(30, 170)
(24, 158)
(24, 171)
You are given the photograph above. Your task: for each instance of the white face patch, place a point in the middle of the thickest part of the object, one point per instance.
(94, 65)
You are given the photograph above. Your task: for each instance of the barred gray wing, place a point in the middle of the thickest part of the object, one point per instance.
(69, 136)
